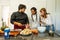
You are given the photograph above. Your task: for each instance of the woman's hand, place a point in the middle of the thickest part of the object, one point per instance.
(42, 23)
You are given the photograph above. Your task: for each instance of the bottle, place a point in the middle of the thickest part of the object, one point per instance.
(6, 33)
(3, 25)
(51, 33)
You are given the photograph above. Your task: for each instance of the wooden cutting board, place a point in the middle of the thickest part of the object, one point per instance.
(14, 33)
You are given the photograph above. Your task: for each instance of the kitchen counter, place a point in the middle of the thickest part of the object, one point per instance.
(32, 37)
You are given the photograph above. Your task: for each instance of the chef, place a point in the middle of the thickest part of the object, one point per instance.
(20, 18)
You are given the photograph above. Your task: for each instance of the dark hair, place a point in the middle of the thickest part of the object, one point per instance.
(21, 6)
(33, 8)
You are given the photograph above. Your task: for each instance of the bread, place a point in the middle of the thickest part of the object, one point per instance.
(1, 31)
(26, 32)
(34, 30)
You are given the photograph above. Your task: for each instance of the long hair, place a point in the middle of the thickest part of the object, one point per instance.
(45, 12)
(33, 8)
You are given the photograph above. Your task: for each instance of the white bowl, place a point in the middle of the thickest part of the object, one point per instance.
(41, 29)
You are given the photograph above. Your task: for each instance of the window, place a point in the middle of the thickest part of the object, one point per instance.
(5, 14)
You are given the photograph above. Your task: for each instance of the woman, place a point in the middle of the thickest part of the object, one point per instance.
(34, 18)
(46, 20)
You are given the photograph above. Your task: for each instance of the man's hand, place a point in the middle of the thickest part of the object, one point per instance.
(19, 24)
(27, 26)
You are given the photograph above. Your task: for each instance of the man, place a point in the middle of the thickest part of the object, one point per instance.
(19, 18)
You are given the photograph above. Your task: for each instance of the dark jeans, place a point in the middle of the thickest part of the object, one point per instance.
(48, 28)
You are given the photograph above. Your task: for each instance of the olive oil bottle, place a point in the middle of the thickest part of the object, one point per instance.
(3, 25)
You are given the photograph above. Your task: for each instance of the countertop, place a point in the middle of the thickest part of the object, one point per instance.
(32, 37)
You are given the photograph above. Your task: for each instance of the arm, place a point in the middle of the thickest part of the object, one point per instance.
(13, 20)
(27, 22)
(49, 22)
(19, 24)
(41, 22)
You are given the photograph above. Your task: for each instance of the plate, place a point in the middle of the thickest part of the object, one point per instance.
(26, 34)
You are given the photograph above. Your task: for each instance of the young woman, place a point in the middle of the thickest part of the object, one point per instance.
(34, 18)
(45, 19)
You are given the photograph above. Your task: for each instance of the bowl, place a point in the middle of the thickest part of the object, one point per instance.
(41, 29)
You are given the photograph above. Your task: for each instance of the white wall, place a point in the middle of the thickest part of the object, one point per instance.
(0, 13)
(29, 3)
(0, 16)
(58, 14)
(52, 6)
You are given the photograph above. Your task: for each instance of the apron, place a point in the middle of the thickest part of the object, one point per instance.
(17, 27)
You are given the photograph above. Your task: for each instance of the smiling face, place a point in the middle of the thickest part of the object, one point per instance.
(43, 11)
(33, 12)
(23, 10)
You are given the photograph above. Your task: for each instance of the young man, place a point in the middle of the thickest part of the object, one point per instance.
(19, 18)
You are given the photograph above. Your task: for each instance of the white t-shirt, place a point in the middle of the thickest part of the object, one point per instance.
(47, 20)
(34, 24)
(34, 17)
